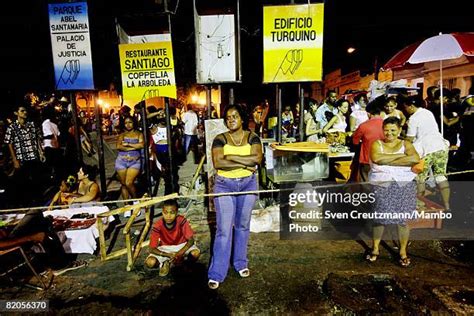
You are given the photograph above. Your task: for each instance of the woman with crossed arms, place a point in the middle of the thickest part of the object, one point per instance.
(390, 172)
(235, 155)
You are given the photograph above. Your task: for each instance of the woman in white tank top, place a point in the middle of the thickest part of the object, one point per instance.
(338, 122)
(394, 186)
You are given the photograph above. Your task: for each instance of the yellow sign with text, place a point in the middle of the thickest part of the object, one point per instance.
(147, 71)
(293, 43)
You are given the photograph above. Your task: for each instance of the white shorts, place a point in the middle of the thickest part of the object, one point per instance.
(171, 248)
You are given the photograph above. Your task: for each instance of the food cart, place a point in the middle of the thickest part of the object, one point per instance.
(297, 166)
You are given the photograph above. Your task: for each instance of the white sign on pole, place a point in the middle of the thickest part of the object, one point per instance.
(216, 49)
(70, 41)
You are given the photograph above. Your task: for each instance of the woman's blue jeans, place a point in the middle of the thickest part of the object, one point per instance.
(233, 214)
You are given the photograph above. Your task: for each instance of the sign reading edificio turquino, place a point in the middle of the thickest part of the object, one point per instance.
(70, 41)
(293, 43)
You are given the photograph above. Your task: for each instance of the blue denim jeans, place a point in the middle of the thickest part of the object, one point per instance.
(233, 219)
(189, 140)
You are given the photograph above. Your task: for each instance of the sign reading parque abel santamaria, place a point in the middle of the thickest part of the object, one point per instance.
(147, 70)
(70, 42)
(293, 43)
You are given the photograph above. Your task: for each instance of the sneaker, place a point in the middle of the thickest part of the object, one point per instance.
(72, 266)
(164, 269)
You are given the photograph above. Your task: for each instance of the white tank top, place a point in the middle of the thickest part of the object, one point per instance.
(341, 124)
(383, 173)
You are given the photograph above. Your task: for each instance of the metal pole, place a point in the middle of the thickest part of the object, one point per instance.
(238, 55)
(442, 96)
(145, 147)
(376, 69)
(77, 129)
(100, 146)
(301, 114)
(170, 145)
(208, 101)
(231, 96)
(279, 137)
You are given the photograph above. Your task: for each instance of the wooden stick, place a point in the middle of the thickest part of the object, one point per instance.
(102, 245)
(142, 204)
(143, 235)
(198, 170)
(115, 254)
(129, 251)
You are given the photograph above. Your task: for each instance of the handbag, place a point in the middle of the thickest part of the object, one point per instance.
(418, 167)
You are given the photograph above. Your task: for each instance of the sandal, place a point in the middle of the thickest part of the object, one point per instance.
(244, 273)
(164, 269)
(372, 257)
(404, 262)
(213, 285)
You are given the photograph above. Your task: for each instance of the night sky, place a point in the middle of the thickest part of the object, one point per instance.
(377, 30)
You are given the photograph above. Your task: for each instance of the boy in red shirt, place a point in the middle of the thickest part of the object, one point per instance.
(171, 239)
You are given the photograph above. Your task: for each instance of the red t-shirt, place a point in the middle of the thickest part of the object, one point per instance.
(368, 132)
(163, 236)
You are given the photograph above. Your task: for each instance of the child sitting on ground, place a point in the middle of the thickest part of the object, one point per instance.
(65, 192)
(171, 240)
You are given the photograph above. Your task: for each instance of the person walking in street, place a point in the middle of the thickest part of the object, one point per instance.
(51, 144)
(190, 120)
(160, 153)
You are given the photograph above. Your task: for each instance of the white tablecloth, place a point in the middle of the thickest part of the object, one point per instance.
(80, 240)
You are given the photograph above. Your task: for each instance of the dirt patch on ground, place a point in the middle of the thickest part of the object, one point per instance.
(287, 277)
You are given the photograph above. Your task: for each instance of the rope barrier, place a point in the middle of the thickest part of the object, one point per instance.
(193, 196)
(458, 172)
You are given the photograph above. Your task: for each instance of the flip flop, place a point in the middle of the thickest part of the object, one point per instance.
(244, 273)
(404, 262)
(372, 257)
(213, 285)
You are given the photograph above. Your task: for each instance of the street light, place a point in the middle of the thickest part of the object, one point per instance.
(350, 50)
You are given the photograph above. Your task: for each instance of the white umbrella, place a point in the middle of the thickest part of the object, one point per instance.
(455, 46)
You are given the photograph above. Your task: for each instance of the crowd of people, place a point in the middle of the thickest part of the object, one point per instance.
(39, 150)
(40, 157)
(397, 139)
(390, 135)
(317, 115)
(37, 139)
